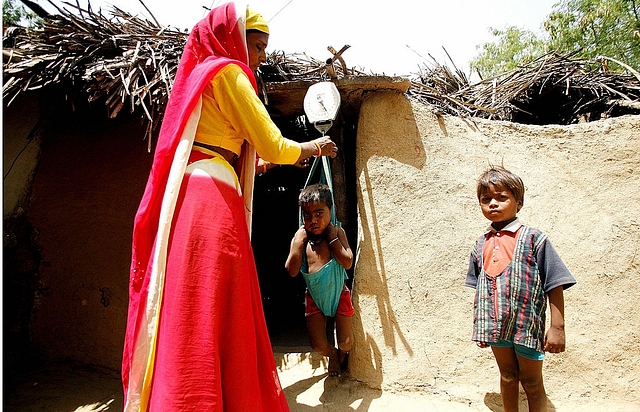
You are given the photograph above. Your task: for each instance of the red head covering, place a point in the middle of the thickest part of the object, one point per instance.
(215, 41)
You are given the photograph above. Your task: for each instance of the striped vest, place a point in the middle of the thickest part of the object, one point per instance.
(512, 305)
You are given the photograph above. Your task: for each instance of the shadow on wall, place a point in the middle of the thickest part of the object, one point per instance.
(371, 288)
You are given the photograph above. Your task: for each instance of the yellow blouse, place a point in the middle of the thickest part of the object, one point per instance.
(232, 112)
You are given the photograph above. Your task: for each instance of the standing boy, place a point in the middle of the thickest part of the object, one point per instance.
(321, 252)
(515, 269)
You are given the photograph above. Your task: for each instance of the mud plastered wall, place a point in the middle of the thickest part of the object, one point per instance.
(90, 178)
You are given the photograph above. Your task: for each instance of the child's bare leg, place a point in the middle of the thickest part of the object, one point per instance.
(532, 383)
(509, 377)
(344, 329)
(316, 327)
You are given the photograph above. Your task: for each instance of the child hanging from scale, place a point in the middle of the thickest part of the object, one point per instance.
(321, 252)
(515, 269)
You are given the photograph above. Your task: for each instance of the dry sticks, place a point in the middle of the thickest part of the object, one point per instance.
(130, 62)
(123, 59)
(583, 87)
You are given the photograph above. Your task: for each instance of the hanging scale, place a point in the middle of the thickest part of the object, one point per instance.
(321, 104)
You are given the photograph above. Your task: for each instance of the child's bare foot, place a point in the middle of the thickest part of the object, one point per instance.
(343, 358)
(334, 368)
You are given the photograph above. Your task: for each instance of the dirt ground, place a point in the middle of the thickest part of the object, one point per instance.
(78, 388)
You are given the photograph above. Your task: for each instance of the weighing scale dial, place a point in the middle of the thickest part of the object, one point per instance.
(321, 103)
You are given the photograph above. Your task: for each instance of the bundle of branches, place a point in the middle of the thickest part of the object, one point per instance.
(129, 61)
(122, 58)
(281, 67)
(552, 89)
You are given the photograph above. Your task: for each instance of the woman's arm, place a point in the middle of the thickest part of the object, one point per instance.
(248, 117)
(303, 162)
(263, 166)
(322, 146)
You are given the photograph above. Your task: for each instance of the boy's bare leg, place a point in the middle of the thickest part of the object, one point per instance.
(509, 377)
(316, 327)
(344, 329)
(532, 383)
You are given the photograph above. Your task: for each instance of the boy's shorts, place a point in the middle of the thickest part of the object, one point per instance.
(345, 306)
(520, 350)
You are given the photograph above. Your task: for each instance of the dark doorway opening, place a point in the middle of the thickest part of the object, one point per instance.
(275, 221)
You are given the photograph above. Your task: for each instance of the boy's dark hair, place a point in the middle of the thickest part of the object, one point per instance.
(499, 175)
(316, 193)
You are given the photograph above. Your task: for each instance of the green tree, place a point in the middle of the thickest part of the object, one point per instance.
(589, 27)
(514, 46)
(597, 27)
(13, 15)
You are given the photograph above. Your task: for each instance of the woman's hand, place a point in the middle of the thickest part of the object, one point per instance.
(303, 163)
(327, 146)
(322, 146)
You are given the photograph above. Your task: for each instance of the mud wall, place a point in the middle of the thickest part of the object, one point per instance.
(418, 218)
(21, 253)
(20, 150)
(90, 178)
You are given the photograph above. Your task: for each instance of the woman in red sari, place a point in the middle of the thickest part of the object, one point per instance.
(196, 335)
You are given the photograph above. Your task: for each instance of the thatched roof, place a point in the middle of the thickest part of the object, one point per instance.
(553, 89)
(130, 62)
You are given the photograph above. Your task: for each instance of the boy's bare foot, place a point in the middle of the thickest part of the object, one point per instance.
(334, 368)
(343, 358)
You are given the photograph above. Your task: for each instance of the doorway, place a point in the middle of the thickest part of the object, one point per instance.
(275, 221)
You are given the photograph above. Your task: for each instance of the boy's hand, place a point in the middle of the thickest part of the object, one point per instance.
(296, 252)
(554, 340)
(300, 238)
(482, 345)
(331, 232)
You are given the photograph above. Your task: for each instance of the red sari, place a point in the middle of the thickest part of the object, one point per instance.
(196, 336)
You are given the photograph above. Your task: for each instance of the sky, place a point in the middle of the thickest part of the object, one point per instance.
(393, 37)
